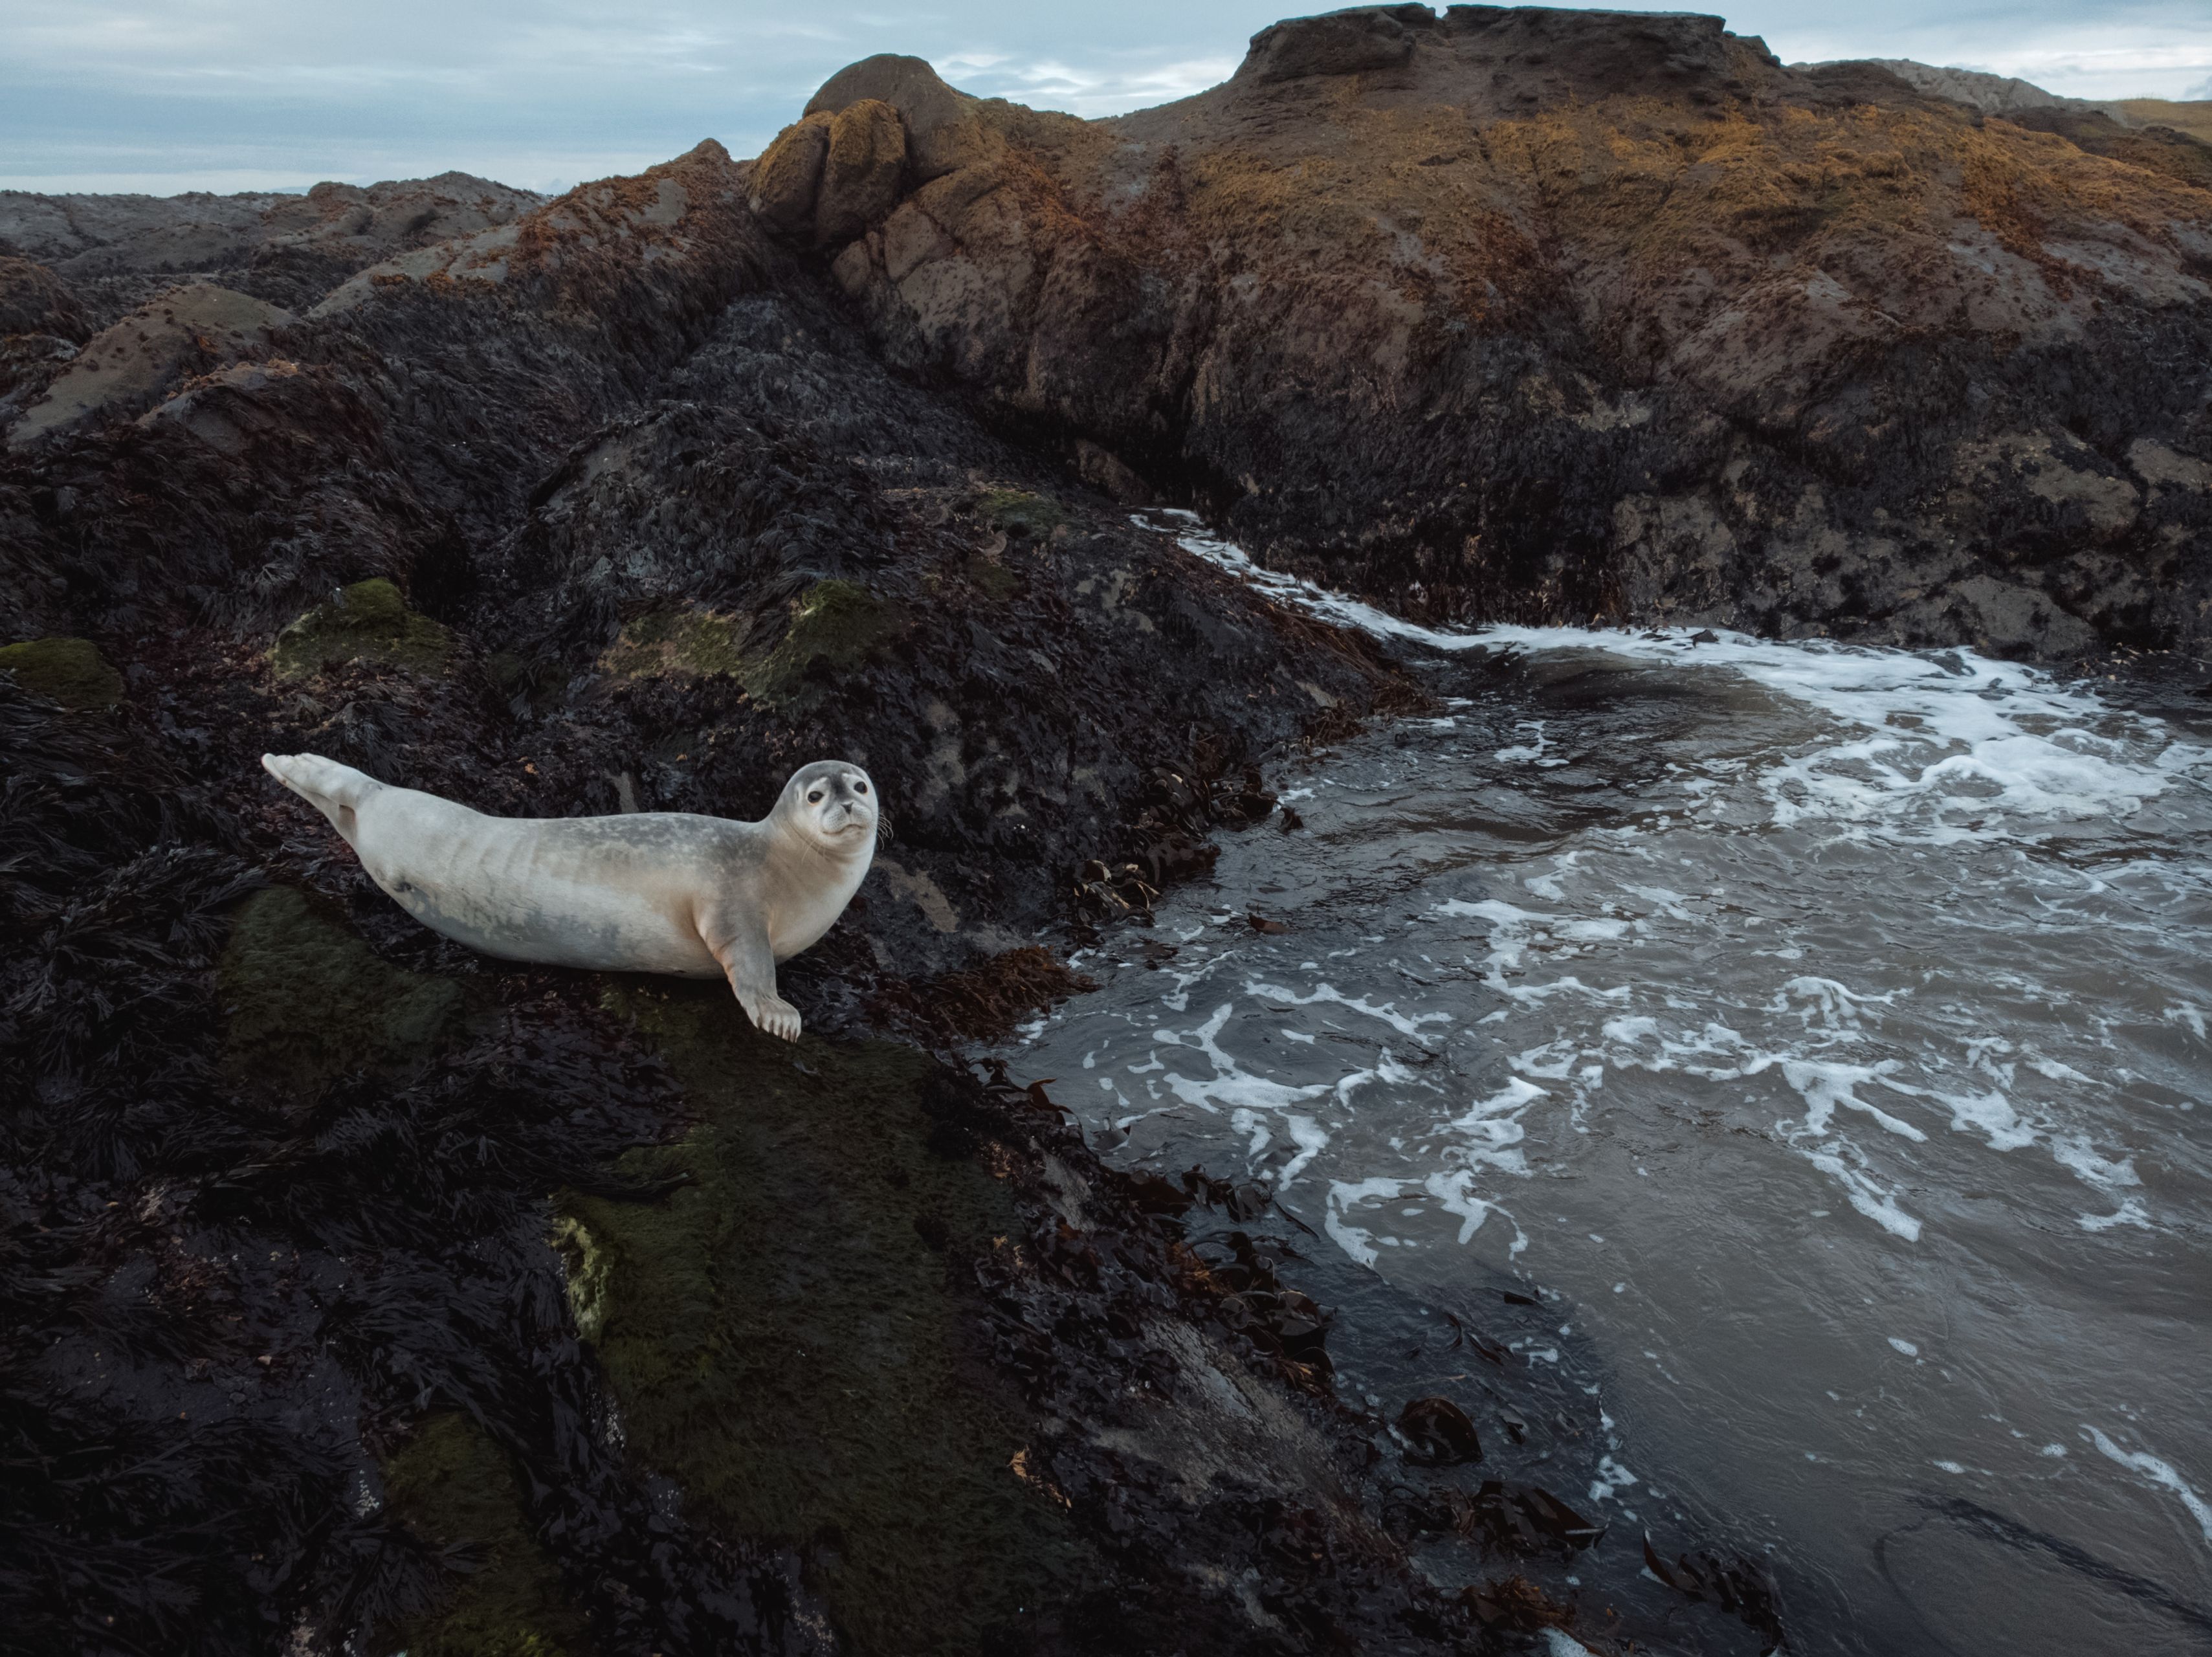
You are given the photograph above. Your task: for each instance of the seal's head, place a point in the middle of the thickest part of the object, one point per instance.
(831, 805)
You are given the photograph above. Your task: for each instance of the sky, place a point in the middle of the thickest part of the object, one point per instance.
(168, 95)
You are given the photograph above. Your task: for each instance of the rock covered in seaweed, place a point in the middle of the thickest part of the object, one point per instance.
(1545, 315)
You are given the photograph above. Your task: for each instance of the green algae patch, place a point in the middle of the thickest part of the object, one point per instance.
(366, 622)
(677, 644)
(1018, 513)
(992, 578)
(789, 1335)
(305, 1000)
(454, 1487)
(590, 1275)
(835, 627)
(67, 671)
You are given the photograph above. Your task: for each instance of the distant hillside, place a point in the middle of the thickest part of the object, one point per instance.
(2194, 119)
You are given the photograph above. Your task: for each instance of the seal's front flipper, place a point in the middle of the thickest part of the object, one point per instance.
(749, 964)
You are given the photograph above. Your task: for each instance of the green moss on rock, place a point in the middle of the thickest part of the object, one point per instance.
(992, 578)
(68, 671)
(305, 1000)
(452, 1486)
(1019, 513)
(367, 622)
(590, 1274)
(836, 628)
(787, 1339)
(677, 644)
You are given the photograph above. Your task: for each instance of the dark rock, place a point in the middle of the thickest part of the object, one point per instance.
(67, 671)
(115, 253)
(33, 301)
(132, 365)
(663, 526)
(1438, 1432)
(1347, 42)
(637, 499)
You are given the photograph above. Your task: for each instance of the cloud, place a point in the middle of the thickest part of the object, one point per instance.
(1093, 88)
(2095, 49)
(175, 94)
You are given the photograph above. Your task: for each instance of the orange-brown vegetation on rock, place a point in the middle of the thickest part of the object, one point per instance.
(984, 1003)
(788, 175)
(1442, 307)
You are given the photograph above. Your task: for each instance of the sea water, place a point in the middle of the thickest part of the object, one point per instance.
(1826, 1026)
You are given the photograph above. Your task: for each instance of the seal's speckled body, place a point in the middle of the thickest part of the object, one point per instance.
(650, 891)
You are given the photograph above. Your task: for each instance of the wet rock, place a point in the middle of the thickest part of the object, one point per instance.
(1438, 1432)
(668, 522)
(292, 969)
(451, 1486)
(1105, 470)
(368, 622)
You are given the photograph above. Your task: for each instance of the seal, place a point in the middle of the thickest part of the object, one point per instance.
(648, 892)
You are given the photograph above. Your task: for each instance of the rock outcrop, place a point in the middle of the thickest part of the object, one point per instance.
(41, 325)
(128, 367)
(1515, 312)
(289, 249)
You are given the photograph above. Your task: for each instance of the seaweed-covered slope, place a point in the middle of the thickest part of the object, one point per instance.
(1553, 314)
(362, 1293)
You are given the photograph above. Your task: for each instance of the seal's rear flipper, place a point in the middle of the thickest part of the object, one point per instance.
(336, 791)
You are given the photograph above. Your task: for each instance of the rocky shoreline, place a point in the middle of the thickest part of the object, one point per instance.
(365, 1294)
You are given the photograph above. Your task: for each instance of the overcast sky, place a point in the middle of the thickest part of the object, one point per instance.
(168, 95)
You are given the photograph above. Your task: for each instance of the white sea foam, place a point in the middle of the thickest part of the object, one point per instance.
(1388, 1013)
(1932, 747)
(2159, 1473)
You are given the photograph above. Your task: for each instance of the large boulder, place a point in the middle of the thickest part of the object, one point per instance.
(788, 178)
(860, 170)
(1542, 315)
(1336, 43)
(943, 130)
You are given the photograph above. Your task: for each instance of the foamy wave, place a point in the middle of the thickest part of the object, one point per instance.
(1935, 746)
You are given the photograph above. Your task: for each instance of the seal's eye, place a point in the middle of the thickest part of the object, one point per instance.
(860, 787)
(814, 798)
